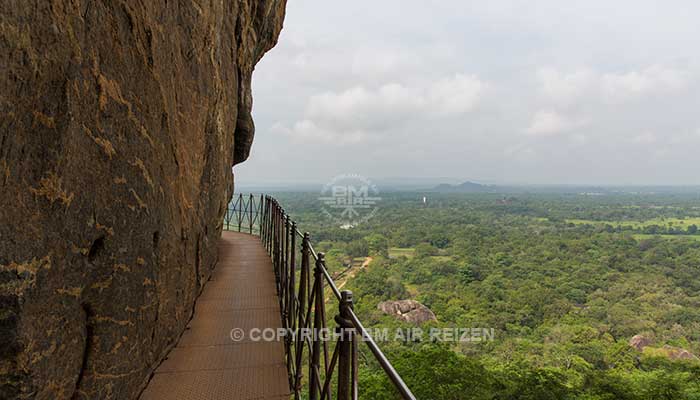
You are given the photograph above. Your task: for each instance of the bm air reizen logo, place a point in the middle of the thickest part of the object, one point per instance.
(349, 200)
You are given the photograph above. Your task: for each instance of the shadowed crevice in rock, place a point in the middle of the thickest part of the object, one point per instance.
(97, 246)
(87, 337)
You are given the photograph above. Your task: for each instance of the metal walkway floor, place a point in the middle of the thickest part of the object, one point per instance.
(207, 364)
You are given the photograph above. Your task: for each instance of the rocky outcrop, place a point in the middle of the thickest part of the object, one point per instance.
(644, 344)
(639, 342)
(119, 124)
(407, 310)
(677, 353)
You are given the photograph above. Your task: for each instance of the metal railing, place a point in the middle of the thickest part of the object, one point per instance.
(302, 279)
(244, 209)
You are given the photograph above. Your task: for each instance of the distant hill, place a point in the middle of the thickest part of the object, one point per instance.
(466, 187)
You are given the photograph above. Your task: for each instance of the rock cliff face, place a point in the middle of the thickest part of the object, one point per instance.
(120, 121)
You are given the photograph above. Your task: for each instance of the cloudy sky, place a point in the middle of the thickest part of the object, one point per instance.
(504, 91)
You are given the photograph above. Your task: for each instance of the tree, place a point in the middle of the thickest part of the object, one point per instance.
(425, 250)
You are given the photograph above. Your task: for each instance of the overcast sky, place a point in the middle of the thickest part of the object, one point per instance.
(500, 91)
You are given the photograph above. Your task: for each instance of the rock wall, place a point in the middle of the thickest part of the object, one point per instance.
(120, 121)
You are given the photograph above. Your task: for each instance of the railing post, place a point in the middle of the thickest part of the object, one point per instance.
(292, 274)
(273, 241)
(315, 368)
(271, 229)
(355, 393)
(240, 211)
(260, 216)
(262, 219)
(276, 249)
(302, 323)
(250, 213)
(346, 336)
(268, 230)
(285, 269)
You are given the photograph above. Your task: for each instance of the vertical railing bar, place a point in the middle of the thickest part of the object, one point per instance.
(316, 348)
(303, 287)
(329, 375)
(250, 210)
(285, 251)
(345, 329)
(269, 231)
(261, 215)
(321, 307)
(271, 224)
(292, 274)
(261, 231)
(317, 375)
(240, 211)
(285, 296)
(354, 371)
(283, 272)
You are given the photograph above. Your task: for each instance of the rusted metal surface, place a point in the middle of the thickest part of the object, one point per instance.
(207, 363)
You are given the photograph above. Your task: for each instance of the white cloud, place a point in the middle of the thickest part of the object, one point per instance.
(550, 123)
(566, 87)
(456, 95)
(361, 112)
(308, 131)
(359, 107)
(587, 85)
(633, 84)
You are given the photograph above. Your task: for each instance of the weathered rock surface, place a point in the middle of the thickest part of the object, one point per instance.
(120, 121)
(677, 353)
(639, 342)
(407, 310)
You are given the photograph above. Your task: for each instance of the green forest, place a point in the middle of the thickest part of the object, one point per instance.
(589, 297)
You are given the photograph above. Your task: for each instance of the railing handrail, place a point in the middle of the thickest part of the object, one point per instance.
(304, 306)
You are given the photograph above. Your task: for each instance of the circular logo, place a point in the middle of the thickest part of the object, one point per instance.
(349, 200)
(237, 334)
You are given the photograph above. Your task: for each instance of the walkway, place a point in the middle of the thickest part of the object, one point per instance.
(207, 364)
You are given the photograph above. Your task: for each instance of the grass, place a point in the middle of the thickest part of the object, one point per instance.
(396, 252)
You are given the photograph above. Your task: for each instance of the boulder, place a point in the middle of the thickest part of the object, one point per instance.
(643, 343)
(677, 353)
(639, 342)
(407, 310)
(120, 122)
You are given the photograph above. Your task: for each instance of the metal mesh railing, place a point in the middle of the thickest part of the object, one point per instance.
(244, 214)
(317, 366)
